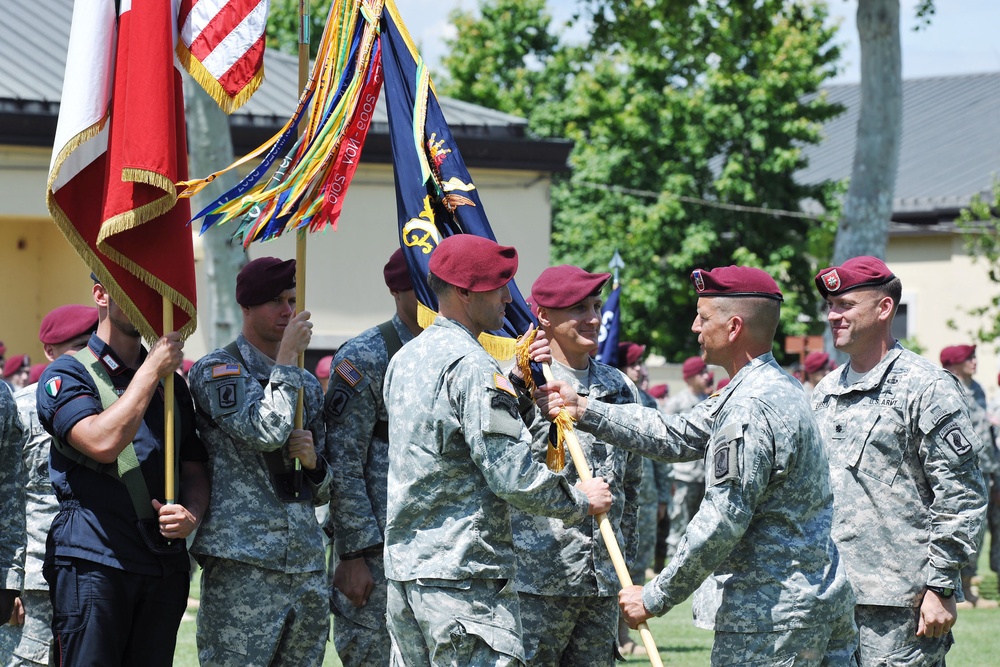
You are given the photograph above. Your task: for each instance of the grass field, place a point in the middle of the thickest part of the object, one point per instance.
(683, 645)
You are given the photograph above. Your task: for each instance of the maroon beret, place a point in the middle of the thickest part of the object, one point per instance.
(722, 383)
(957, 354)
(66, 323)
(565, 285)
(735, 281)
(3, 348)
(473, 262)
(36, 372)
(629, 353)
(396, 274)
(815, 361)
(263, 279)
(854, 273)
(659, 390)
(15, 364)
(186, 365)
(323, 367)
(693, 366)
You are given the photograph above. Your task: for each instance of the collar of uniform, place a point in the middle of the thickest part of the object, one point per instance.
(872, 379)
(448, 323)
(259, 365)
(404, 333)
(765, 359)
(108, 357)
(572, 376)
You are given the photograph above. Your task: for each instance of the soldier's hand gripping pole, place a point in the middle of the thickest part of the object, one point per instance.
(607, 531)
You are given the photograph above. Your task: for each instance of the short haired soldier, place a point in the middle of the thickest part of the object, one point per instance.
(263, 584)
(459, 457)
(768, 577)
(566, 581)
(357, 437)
(909, 499)
(28, 639)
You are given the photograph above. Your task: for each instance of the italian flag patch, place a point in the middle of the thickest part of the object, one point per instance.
(52, 386)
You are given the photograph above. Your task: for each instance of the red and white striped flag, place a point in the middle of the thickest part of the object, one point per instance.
(221, 44)
(120, 147)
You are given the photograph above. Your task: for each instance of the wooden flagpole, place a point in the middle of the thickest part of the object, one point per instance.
(170, 488)
(300, 236)
(607, 531)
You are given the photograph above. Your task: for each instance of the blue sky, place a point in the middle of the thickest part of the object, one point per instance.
(961, 39)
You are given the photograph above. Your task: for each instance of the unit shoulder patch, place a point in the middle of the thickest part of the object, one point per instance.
(725, 461)
(956, 440)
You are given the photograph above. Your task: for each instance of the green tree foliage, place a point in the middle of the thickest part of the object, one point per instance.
(980, 227)
(677, 109)
(283, 25)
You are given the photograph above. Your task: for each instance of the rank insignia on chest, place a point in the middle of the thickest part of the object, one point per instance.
(224, 370)
(346, 370)
(503, 384)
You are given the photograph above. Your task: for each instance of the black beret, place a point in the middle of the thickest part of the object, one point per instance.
(263, 279)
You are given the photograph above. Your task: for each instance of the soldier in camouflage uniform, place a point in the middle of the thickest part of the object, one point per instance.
(357, 437)
(688, 477)
(909, 497)
(566, 582)
(263, 587)
(771, 582)
(960, 361)
(28, 639)
(459, 457)
(12, 483)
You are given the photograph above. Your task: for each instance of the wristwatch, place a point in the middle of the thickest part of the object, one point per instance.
(942, 592)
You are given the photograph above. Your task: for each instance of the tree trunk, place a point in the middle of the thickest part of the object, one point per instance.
(210, 147)
(864, 227)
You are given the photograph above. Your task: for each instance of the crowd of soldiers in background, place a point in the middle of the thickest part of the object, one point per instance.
(265, 595)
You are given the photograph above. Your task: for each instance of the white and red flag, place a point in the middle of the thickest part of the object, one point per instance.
(120, 147)
(222, 46)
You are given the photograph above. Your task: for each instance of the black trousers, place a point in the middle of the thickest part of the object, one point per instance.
(103, 616)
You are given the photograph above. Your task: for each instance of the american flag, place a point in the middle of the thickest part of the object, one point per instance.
(221, 44)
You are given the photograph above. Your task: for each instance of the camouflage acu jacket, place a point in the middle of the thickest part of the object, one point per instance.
(909, 499)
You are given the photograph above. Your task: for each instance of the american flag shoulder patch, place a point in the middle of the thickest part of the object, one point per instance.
(501, 382)
(346, 370)
(225, 370)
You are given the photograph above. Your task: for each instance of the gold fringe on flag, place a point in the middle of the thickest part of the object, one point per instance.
(555, 456)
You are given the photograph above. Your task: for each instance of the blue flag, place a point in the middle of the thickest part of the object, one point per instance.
(607, 342)
(435, 195)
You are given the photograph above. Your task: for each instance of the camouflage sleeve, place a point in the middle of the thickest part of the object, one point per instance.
(259, 418)
(12, 490)
(647, 431)
(499, 441)
(351, 412)
(742, 448)
(663, 473)
(947, 444)
(321, 487)
(630, 513)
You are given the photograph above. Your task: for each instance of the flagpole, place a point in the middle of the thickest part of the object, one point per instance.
(607, 531)
(300, 236)
(168, 414)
